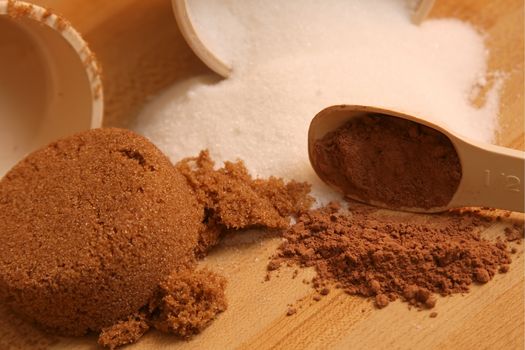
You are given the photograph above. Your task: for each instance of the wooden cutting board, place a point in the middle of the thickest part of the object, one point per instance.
(141, 52)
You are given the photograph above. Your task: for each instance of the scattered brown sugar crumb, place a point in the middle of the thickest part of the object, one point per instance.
(504, 268)
(481, 275)
(16, 9)
(385, 256)
(433, 314)
(124, 332)
(422, 170)
(187, 302)
(273, 265)
(514, 233)
(291, 311)
(381, 301)
(234, 200)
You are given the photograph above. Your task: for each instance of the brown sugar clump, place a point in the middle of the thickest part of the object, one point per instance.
(390, 162)
(234, 200)
(381, 301)
(481, 275)
(90, 225)
(187, 302)
(124, 332)
(384, 257)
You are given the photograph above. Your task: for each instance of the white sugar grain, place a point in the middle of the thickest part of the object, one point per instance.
(293, 58)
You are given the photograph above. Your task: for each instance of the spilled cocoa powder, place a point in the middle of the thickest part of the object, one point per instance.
(385, 257)
(390, 162)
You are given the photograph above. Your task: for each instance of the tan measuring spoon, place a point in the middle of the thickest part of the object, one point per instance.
(182, 12)
(492, 176)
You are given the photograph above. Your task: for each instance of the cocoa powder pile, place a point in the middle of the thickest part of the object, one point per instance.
(99, 232)
(389, 162)
(388, 257)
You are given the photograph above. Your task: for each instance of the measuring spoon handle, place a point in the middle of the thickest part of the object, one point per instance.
(492, 176)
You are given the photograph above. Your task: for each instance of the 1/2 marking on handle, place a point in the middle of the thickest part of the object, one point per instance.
(510, 182)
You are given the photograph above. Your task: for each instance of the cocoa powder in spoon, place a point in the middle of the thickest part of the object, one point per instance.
(389, 161)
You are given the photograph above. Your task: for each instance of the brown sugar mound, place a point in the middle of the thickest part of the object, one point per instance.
(89, 227)
(389, 162)
(385, 257)
(234, 200)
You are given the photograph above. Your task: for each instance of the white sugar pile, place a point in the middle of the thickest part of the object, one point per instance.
(294, 58)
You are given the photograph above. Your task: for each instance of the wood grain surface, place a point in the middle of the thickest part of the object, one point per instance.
(141, 52)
